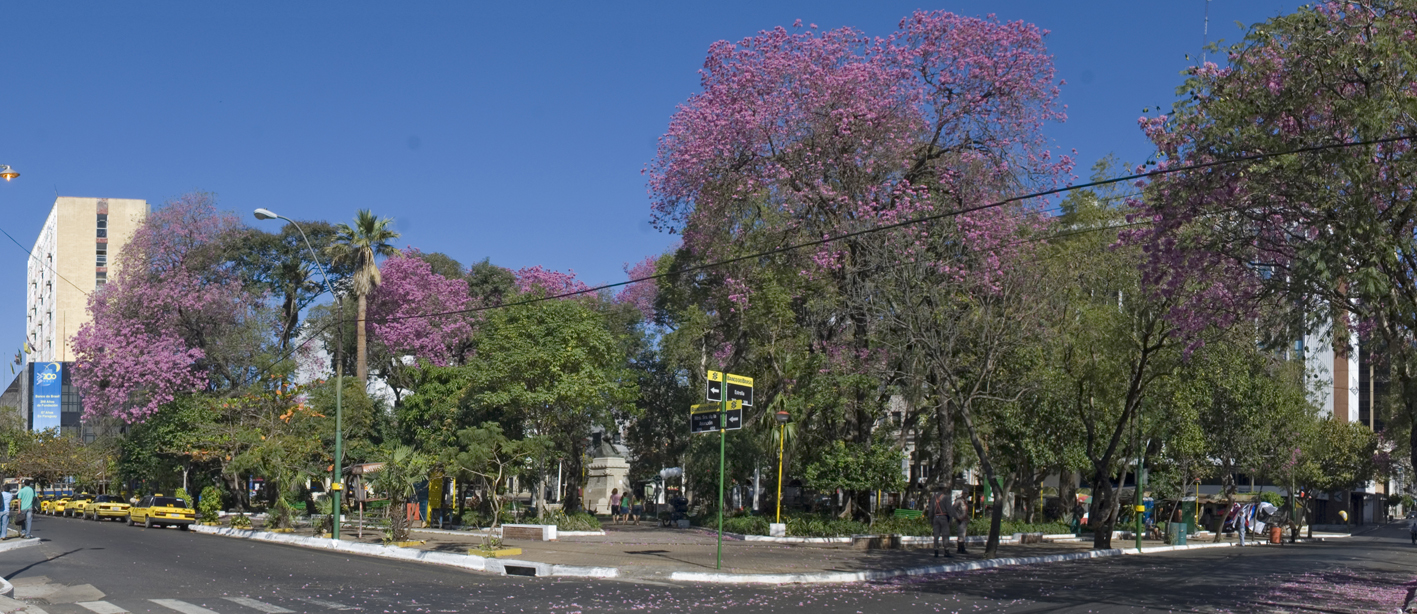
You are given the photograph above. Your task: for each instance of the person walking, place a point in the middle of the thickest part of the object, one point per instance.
(6, 496)
(625, 504)
(960, 513)
(615, 505)
(939, 511)
(638, 509)
(1242, 525)
(27, 507)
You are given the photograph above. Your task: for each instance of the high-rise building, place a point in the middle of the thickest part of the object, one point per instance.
(74, 254)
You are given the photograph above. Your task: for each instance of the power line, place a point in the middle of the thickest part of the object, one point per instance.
(879, 229)
(913, 221)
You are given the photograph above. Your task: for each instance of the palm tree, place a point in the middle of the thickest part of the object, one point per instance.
(357, 246)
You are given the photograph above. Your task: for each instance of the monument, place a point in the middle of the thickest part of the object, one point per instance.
(608, 471)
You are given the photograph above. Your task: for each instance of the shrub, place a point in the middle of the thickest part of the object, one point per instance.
(240, 521)
(576, 521)
(181, 493)
(209, 504)
(1272, 498)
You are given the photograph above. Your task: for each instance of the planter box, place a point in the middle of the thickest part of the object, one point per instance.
(533, 532)
(875, 542)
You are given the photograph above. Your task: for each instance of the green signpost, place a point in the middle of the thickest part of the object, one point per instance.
(731, 392)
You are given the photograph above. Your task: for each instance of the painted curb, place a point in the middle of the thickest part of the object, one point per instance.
(462, 561)
(23, 543)
(5, 587)
(867, 576)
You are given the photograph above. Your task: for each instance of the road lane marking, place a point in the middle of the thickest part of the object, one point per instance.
(259, 605)
(332, 605)
(182, 606)
(101, 607)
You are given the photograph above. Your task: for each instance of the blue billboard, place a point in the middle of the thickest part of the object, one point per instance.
(48, 395)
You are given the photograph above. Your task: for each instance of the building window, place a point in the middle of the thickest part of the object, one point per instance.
(101, 258)
(102, 225)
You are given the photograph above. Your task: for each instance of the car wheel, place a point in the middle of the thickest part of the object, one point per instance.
(147, 523)
(182, 527)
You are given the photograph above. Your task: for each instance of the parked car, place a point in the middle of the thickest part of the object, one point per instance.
(58, 506)
(76, 507)
(106, 507)
(161, 511)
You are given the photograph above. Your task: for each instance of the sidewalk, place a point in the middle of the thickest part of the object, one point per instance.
(658, 554)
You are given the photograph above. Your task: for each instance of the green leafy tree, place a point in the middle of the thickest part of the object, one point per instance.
(551, 369)
(487, 454)
(856, 468)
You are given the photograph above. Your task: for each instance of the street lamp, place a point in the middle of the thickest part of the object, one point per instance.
(335, 485)
(8, 173)
(782, 418)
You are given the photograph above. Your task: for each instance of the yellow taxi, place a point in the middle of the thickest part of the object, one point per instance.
(105, 507)
(45, 502)
(161, 511)
(76, 506)
(56, 507)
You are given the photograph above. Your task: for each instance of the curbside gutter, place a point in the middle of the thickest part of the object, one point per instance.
(867, 576)
(463, 561)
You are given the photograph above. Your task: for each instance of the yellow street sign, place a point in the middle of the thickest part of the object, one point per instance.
(740, 380)
(705, 408)
(715, 376)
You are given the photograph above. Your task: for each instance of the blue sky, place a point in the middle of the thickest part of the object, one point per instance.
(510, 130)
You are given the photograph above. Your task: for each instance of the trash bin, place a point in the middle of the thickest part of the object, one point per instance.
(1276, 535)
(1176, 534)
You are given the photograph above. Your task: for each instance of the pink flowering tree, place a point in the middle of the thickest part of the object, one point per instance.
(174, 319)
(801, 135)
(641, 294)
(399, 308)
(537, 279)
(1330, 231)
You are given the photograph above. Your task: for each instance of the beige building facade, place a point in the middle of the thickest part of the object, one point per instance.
(75, 254)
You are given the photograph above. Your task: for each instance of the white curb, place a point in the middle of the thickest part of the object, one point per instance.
(5, 587)
(21, 543)
(463, 561)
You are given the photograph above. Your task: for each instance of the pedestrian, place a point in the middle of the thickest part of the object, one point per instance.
(1077, 518)
(27, 507)
(625, 503)
(939, 511)
(615, 505)
(1242, 525)
(638, 509)
(6, 496)
(960, 514)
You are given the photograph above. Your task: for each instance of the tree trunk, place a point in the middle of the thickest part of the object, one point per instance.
(945, 423)
(361, 365)
(1067, 492)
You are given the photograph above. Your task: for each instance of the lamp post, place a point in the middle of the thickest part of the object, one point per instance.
(782, 418)
(8, 173)
(335, 485)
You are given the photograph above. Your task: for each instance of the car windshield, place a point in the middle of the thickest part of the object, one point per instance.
(109, 499)
(168, 502)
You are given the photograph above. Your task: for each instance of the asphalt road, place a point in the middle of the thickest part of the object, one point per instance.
(165, 570)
